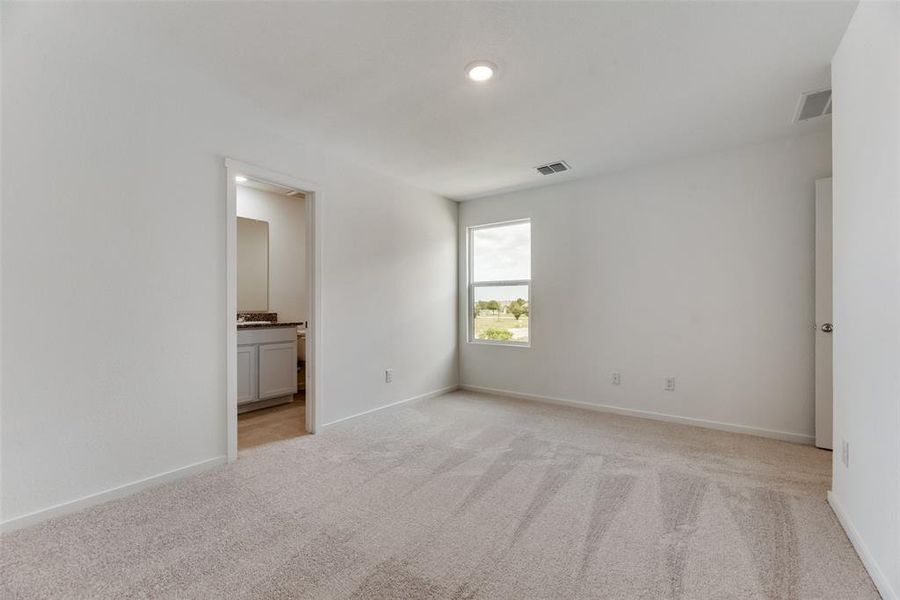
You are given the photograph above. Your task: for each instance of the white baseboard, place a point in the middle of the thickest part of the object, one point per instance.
(107, 495)
(432, 394)
(878, 578)
(799, 438)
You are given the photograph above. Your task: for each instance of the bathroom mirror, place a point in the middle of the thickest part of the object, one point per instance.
(252, 265)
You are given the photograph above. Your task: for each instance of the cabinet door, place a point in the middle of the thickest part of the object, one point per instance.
(277, 370)
(246, 374)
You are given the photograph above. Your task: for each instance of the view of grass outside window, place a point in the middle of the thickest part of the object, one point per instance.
(500, 282)
(501, 313)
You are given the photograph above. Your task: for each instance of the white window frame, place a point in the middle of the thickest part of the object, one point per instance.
(470, 237)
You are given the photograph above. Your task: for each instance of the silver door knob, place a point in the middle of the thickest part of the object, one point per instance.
(827, 327)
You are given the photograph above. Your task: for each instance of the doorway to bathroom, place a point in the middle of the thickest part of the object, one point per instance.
(273, 316)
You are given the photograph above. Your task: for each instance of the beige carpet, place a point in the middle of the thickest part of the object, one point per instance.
(465, 496)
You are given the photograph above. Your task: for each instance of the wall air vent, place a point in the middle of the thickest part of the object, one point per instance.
(813, 104)
(551, 168)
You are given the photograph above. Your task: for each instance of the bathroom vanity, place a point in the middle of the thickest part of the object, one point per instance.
(266, 364)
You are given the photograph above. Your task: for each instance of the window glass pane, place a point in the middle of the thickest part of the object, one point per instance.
(501, 313)
(501, 253)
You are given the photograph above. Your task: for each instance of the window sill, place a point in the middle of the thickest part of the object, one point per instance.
(506, 344)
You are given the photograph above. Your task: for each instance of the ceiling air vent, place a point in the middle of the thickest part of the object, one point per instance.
(813, 104)
(551, 168)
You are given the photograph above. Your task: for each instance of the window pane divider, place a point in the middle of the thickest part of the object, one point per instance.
(500, 283)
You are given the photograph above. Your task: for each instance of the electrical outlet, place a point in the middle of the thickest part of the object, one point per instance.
(670, 384)
(388, 375)
(616, 378)
(845, 453)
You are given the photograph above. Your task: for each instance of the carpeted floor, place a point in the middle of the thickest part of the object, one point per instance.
(465, 496)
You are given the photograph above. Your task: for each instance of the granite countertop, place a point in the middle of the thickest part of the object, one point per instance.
(272, 325)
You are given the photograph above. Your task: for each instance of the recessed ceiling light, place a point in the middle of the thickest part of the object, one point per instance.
(240, 179)
(481, 70)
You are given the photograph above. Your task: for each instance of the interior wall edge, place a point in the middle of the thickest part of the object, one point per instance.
(425, 396)
(865, 555)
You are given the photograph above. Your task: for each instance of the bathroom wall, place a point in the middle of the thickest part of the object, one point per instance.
(286, 216)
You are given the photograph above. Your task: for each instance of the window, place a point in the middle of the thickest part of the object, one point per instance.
(500, 283)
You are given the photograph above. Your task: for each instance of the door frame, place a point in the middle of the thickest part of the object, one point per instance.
(314, 327)
(824, 313)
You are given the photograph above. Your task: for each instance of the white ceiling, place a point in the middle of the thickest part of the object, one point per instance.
(603, 86)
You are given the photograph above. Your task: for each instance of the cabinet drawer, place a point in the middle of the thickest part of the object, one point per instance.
(268, 335)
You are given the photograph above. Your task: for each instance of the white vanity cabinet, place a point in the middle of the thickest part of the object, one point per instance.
(266, 365)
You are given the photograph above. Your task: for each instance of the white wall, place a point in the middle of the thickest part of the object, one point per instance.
(286, 217)
(113, 258)
(866, 81)
(700, 269)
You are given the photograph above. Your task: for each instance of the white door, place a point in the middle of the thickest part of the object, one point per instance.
(824, 392)
(277, 370)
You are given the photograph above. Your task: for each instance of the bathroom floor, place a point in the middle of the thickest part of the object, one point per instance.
(273, 424)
